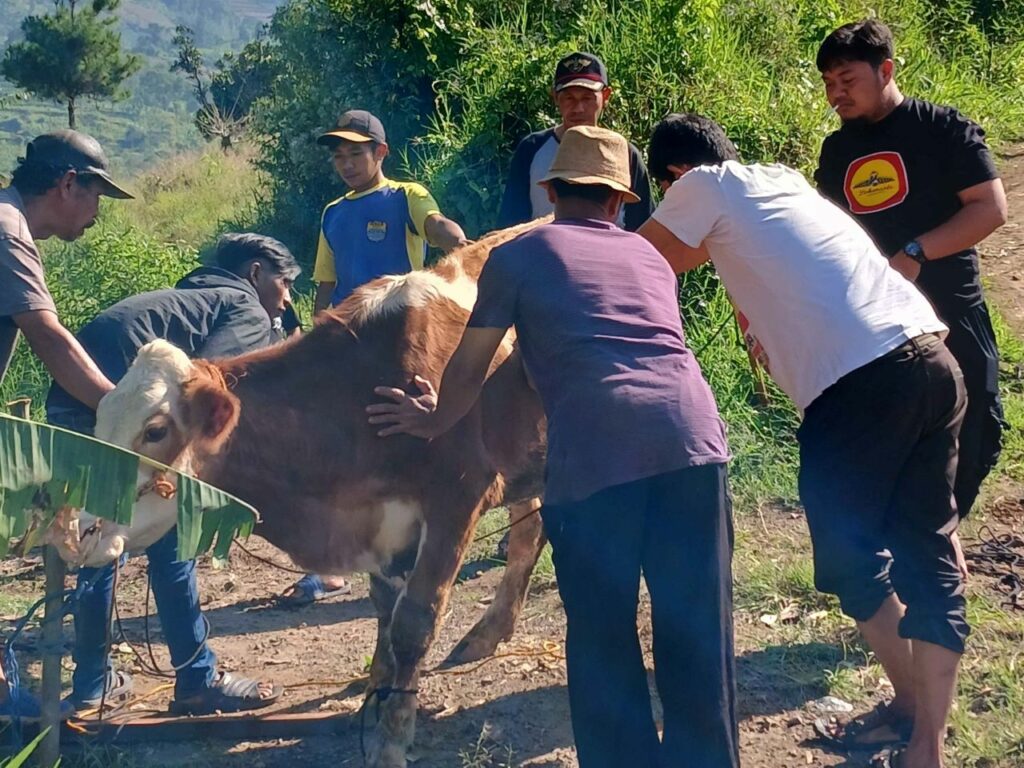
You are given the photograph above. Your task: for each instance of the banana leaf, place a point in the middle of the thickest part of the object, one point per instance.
(45, 468)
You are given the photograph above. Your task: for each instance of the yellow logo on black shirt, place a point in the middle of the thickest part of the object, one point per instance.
(376, 231)
(876, 182)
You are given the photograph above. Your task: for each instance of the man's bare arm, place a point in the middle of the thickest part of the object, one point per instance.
(984, 211)
(324, 291)
(680, 256)
(65, 359)
(444, 233)
(431, 413)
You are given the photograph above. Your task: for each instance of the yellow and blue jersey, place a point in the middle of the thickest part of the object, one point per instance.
(364, 235)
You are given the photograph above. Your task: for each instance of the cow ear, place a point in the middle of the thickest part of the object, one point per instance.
(210, 410)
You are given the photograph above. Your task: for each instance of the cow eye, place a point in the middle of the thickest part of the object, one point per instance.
(154, 434)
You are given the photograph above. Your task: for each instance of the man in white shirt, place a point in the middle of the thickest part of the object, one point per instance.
(859, 350)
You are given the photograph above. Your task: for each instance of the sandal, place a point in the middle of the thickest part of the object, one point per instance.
(880, 727)
(230, 693)
(119, 691)
(308, 590)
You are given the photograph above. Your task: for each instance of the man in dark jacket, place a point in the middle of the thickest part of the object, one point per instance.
(212, 312)
(581, 92)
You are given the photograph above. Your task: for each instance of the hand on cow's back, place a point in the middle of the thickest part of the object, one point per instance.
(406, 414)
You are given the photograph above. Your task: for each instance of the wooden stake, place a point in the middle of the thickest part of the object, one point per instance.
(53, 652)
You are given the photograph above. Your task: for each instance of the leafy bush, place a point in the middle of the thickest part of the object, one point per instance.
(459, 82)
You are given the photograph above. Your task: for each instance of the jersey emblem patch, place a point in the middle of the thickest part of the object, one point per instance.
(376, 231)
(876, 182)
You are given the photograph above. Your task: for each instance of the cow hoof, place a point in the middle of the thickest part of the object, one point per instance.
(473, 647)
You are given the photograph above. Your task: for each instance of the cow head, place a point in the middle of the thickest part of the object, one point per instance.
(169, 408)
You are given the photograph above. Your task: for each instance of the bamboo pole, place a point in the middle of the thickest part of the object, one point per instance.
(53, 651)
(53, 637)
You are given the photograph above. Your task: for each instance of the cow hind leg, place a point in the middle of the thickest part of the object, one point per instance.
(526, 540)
(413, 628)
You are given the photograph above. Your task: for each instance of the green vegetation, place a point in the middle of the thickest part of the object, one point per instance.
(459, 82)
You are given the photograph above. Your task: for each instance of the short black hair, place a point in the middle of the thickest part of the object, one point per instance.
(687, 139)
(867, 40)
(34, 179)
(236, 249)
(592, 193)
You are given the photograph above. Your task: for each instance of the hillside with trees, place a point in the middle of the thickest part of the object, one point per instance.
(156, 121)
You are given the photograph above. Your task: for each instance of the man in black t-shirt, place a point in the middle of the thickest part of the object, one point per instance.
(580, 91)
(920, 180)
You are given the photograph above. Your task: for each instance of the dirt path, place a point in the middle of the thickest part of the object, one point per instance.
(1002, 254)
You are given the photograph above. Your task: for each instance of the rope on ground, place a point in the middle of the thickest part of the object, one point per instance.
(999, 556)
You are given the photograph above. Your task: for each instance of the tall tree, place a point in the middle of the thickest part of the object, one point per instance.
(225, 93)
(71, 53)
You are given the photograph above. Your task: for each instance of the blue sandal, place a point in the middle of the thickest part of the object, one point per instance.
(308, 590)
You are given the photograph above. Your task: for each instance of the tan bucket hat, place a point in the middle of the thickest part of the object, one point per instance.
(591, 155)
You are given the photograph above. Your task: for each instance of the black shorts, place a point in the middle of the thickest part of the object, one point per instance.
(878, 457)
(973, 343)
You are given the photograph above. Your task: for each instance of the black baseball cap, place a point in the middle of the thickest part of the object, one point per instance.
(69, 150)
(581, 69)
(355, 125)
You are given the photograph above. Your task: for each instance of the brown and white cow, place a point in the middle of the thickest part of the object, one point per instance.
(285, 429)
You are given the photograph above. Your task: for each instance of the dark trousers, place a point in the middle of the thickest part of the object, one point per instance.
(972, 341)
(676, 528)
(878, 456)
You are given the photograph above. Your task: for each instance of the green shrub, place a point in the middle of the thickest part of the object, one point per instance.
(459, 82)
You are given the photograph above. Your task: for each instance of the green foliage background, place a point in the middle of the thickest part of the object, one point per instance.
(459, 82)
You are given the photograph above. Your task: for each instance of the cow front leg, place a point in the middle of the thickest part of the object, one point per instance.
(384, 594)
(526, 540)
(413, 628)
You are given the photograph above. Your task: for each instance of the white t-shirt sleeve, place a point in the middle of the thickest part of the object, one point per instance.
(692, 207)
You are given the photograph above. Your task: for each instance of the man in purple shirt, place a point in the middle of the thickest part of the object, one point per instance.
(636, 475)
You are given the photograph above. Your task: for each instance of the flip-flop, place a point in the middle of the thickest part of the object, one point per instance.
(229, 693)
(308, 590)
(887, 726)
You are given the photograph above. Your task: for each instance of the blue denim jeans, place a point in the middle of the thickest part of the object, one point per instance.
(177, 604)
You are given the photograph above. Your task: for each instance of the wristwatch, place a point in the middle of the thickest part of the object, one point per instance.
(914, 250)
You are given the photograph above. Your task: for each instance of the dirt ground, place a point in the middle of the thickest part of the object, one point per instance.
(509, 711)
(1002, 254)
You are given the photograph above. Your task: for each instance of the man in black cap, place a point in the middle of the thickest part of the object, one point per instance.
(54, 191)
(581, 92)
